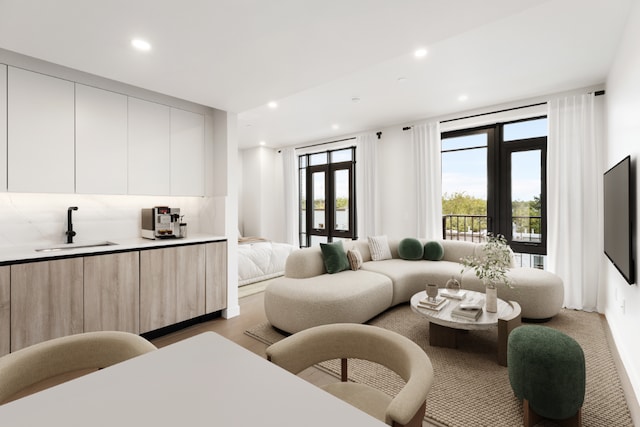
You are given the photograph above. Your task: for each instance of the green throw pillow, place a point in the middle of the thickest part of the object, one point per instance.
(410, 249)
(433, 251)
(335, 258)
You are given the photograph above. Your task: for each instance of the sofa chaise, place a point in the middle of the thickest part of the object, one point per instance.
(308, 296)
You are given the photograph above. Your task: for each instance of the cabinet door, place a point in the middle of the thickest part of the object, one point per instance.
(101, 141)
(5, 310)
(172, 283)
(149, 148)
(3, 127)
(112, 292)
(40, 133)
(187, 153)
(46, 301)
(216, 275)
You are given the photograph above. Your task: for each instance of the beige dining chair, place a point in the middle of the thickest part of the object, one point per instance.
(348, 340)
(35, 366)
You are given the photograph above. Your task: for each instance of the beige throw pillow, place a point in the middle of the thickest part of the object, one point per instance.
(379, 247)
(355, 259)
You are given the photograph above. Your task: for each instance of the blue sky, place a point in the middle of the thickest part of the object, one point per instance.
(466, 171)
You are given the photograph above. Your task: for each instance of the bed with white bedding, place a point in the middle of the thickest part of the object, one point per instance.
(260, 259)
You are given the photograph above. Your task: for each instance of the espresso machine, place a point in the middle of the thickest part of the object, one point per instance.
(161, 222)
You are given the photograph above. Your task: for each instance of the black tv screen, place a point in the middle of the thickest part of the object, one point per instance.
(619, 203)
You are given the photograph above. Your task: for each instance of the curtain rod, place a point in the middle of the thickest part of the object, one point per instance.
(596, 93)
(333, 142)
(484, 114)
(325, 143)
(494, 112)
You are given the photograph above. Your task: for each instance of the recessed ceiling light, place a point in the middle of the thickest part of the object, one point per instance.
(140, 44)
(420, 53)
(463, 98)
(335, 127)
(273, 104)
(262, 143)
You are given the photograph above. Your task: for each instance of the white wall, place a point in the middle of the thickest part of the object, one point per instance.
(262, 193)
(623, 112)
(262, 197)
(224, 209)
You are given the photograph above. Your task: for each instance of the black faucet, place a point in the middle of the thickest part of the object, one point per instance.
(70, 233)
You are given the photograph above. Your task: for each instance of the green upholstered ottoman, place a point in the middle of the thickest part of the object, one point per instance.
(546, 371)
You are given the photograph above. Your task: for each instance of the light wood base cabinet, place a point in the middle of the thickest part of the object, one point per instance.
(172, 284)
(136, 291)
(46, 301)
(112, 292)
(216, 283)
(5, 310)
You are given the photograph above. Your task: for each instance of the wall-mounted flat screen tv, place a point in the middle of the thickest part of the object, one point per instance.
(619, 204)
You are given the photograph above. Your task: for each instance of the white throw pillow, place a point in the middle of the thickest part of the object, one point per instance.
(379, 247)
(355, 259)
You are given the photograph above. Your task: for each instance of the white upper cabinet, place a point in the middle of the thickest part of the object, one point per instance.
(58, 136)
(187, 153)
(101, 141)
(40, 133)
(149, 148)
(3, 128)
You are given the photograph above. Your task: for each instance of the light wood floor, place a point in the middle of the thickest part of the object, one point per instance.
(251, 313)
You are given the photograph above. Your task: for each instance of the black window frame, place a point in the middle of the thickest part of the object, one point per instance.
(499, 209)
(329, 168)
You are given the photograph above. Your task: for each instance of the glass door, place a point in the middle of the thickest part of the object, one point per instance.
(327, 194)
(525, 200)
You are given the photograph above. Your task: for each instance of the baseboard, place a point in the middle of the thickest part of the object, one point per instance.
(629, 393)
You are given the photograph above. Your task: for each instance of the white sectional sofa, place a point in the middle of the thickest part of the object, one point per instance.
(308, 296)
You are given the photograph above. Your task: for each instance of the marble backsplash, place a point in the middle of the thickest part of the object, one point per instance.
(41, 219)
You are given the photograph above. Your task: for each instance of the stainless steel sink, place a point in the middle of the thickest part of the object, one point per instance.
(70, 246)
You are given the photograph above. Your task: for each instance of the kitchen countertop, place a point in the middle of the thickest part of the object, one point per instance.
(22, 254)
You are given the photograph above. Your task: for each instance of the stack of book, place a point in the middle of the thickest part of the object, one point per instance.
(433, 304)
(453, 294)
(467, 311)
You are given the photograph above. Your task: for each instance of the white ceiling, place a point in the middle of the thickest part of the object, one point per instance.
(312, 57)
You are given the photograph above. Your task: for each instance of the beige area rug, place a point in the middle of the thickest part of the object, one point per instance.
(471, 389)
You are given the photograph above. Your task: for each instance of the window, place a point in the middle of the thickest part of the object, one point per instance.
(327, 196)
(494, 180)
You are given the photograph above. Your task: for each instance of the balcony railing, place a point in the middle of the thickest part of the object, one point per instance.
(527, 229)
(472, 228)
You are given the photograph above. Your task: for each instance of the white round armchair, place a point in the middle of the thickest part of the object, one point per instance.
(31, 366)
(346, 340)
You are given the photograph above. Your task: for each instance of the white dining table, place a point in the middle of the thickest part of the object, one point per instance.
(205, 380)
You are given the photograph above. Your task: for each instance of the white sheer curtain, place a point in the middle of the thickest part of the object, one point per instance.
(290, 177)
(574, 185)
(425, 140)
(367, 185)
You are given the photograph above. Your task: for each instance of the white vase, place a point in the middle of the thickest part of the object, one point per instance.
(491, 299)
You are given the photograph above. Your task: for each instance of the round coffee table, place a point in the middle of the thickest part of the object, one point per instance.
(444, 328)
